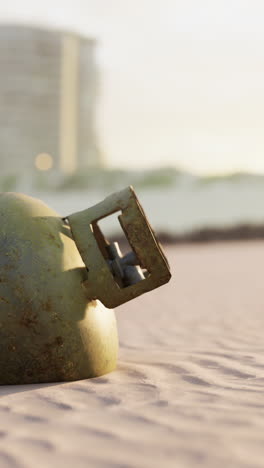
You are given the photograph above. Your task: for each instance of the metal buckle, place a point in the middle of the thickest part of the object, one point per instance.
(112, 278)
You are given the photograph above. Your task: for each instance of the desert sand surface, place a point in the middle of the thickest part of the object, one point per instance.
(189, 388)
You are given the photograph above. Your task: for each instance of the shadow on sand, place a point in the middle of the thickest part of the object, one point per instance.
(13, 389)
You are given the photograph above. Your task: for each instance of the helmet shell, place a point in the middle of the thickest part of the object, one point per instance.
(48, 329)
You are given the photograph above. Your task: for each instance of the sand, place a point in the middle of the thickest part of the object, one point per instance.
(189, 388)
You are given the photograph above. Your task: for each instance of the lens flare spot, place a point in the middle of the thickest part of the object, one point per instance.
(43, 161)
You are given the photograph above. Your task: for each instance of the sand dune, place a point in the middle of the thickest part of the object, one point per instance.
(189, 388)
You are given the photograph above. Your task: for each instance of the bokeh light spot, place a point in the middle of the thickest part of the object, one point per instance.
(43, 161)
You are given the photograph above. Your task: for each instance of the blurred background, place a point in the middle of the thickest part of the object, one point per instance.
(165, 95)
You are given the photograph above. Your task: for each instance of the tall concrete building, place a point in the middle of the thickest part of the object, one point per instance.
(48, 84)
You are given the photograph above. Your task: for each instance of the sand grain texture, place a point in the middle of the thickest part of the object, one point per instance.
(189, 389)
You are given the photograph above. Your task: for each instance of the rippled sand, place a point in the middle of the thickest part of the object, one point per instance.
(189, 389)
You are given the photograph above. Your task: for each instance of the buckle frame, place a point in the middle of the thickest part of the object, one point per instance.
(93, 248)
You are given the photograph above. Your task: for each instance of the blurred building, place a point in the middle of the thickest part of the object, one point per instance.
(48, 87)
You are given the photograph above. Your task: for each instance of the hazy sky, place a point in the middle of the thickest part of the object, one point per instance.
(182, 82)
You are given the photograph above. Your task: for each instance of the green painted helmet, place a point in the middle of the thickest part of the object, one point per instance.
(58, 278)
